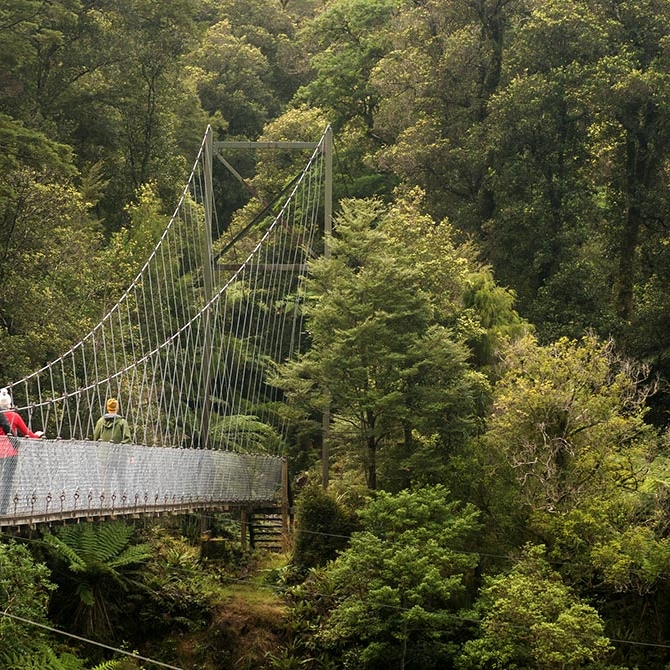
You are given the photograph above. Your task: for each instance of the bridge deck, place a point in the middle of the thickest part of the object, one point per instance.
(57, 479)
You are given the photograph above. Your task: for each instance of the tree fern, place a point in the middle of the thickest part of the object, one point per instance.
(95, 566)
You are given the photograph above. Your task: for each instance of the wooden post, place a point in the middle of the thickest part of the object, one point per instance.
(243, 529)
(250, 525)
(285, 504)
(325, 446)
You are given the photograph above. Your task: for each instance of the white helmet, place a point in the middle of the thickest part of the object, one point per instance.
(5, 399)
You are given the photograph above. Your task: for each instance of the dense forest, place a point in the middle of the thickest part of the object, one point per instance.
(489, 333)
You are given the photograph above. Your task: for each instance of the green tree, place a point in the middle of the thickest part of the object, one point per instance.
(28, 148)
(435, 84)
(347, 40)
(33, 39)
(25, 589)
(147, 97)
(543, 235)
(631, 143)
(542, 127)
(344, 43)
(568, 420)
(464, 293)
(106, 80)
(378, 355)
(396, 590)
(48, 248)
(271, 29)
(636, 131)
(95, 566)
(569, 459)
(531, 619)
(233, 81)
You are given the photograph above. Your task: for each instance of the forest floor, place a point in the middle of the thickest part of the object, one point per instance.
(247, 627)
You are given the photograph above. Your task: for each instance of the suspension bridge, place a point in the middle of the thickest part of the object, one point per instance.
(188, 351)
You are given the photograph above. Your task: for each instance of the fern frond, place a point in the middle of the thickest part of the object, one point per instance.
(45, 659)
(138, 553)
(62, 550)
(96, 542)
(108, 665)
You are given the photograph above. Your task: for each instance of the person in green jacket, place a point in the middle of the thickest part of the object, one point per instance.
(111, 427)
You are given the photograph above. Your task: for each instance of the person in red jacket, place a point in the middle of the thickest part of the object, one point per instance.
(16, 424)
(8, 462)
(6, 447)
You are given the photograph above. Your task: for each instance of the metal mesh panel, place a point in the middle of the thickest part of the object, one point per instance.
(55, 478)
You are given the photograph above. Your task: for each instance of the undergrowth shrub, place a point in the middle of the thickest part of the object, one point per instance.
(322, 529)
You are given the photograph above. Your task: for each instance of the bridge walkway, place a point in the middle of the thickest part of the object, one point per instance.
(55, 480)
